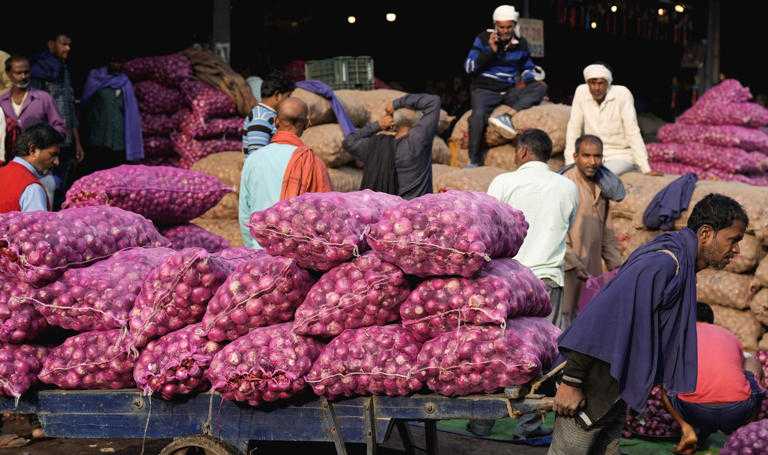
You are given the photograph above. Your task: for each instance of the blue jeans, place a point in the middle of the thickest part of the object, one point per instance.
(725, 417)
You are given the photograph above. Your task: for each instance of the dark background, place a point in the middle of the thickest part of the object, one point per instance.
(428, 42)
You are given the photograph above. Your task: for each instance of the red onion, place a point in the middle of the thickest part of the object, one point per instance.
(729, 160)
(100, 296)
(192, 235)
(728, 91)
(160, 124)
(747, 440)
(91, 360)
(707, 174)
(267, 364)
(175, 294)
(176, 363)
(19, 367)
(720, 136)
(194, 125)
(264, 291)
(164, 194)
(655, 422)
(168, 69)
(451, 233)
(192, 150)
(713, 113)
(156, 98)
(37, 247)
(19, 320)
(361, 293)
(367, 361)
(503, 290)
(319, 230)
(479, 359)
(207, 101)
(156, 147)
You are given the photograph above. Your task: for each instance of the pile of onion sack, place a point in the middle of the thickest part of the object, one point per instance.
(354, 294)
(721, 137)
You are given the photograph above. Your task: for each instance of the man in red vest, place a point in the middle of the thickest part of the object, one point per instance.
(37, 152)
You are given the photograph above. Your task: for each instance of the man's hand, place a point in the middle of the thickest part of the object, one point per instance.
(582, 274)
(568, 400)
(493, 41)
(79, 152)
(386, 122)
(389, 108)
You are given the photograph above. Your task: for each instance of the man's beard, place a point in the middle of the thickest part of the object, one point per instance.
(22, 85)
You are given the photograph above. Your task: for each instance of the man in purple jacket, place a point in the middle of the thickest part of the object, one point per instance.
(28, 106)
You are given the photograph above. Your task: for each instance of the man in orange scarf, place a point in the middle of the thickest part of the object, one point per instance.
(281, 170)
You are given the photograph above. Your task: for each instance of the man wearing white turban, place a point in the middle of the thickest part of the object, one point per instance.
(607, 111)
(503, 73)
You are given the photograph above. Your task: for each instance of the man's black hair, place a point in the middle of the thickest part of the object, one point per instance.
(589, 138)
(704, 313)
(538, 142)
(276, 82)
(39, 136)
(717, 211)
(55, 34)
(13, 59)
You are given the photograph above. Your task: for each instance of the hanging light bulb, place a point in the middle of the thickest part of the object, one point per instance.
(351, 19)
(662, 11)
(614, 8)
(391, 17)
(680, 8)
(593, 25)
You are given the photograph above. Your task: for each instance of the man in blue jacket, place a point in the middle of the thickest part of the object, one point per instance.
(503, 73)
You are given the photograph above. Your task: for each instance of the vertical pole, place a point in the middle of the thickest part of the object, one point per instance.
(712, 68)
(221, 28)
(526, 8)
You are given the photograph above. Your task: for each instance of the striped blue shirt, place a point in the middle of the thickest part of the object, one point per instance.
(259, 128)
(506, 66)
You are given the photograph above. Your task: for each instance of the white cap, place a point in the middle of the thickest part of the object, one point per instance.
(505, 13)
(598, 71)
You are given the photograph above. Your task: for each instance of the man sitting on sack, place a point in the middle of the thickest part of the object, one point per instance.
(504, 73)
(608, 112)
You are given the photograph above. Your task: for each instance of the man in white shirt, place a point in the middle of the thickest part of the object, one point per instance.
(549, 202)
(607, 111)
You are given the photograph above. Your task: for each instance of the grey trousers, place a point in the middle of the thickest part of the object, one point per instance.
(568, 438)
(556, 317)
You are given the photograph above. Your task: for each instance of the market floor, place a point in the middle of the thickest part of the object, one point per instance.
(453, 440)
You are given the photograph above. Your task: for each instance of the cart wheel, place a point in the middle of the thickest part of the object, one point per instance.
(198, 445)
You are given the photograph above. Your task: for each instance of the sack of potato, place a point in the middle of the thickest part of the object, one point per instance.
(345, 179)
(226, 166)
(743, 324)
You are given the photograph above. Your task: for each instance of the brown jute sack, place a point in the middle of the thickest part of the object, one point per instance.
(439, 172)
(759, 305)
(326, 141)
(751, 252)
(741, 323)
(229, 229)
(226, 166)
(375, 102)
(475, 179)
(718, 287)
(761, 274)
(345, 179)
(550, 118)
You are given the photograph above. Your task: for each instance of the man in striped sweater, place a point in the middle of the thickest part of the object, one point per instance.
(504, 73)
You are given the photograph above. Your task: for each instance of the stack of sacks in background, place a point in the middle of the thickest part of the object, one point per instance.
(719, 138)
(254, 326)
(79, 269)
(168, 196)
(325, 136)
(222, 219)
(730, 292)
(183, 118)
(551, 118)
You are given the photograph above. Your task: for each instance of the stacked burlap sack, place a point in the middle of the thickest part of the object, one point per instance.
(721, 137)
(191, 105)
(222, 219)
(736, 293)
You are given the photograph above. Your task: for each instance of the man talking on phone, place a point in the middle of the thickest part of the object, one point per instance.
(503, 73)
